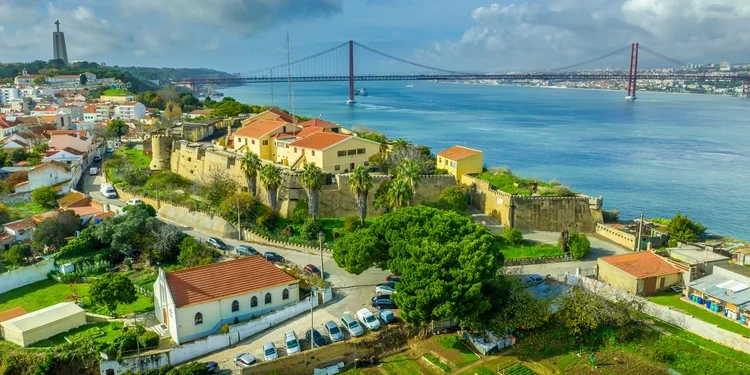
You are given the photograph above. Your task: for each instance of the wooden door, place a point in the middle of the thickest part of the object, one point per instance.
(661, 283)
(166, 317)
(649, 285)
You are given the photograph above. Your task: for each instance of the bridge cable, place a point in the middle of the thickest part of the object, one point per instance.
(296, 61)
(659, 55)
(413, 63)
(590, 61)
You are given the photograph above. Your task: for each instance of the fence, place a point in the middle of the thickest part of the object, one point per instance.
(542, 260)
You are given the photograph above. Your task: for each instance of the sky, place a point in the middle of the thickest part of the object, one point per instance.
(469, 35)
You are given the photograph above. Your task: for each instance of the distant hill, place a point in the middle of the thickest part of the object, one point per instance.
(150, 74)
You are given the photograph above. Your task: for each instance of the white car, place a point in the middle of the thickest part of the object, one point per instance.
(269, 351)
(108, 191)
(384, 290)
(93, 171)
(368, 319)
(134, 201)
(292, 344)
(245, 360)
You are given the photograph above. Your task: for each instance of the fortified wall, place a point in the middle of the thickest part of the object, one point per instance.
(196, 161)
(581, 213)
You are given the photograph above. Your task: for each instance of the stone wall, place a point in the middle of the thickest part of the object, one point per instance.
(581, 213)
(19, 277)
(617, 236)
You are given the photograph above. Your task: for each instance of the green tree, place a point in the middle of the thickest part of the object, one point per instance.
(3, 158)
(6, 214)
(360, 183)
(380, 200)
(117, 128)
(410, 171)
(583, 312)
(34, 157)
(172, 111)
(512, 236)
(52, 232)
(193, 253)
(443, 258)
(112, 289)
(312, 179)
(682, 229)
(578, 245)
(242, 203)
(250, 165)
(300, 213)
(83, 79)
(271, 177)
(18, 155)
(217, 185)
(310, 229)
(128, 232)
(399, 194)
(45, 196)
(453, 198)
(39, 80)
(16, 255)
(513, 306)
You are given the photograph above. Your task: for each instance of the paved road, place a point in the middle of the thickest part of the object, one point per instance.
(91, 186)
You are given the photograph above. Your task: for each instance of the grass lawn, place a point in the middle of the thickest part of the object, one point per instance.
(46, 293)
(453, 343)
(530, 249)
(136, 157)
(518, 369)
(104, 332)
(673, 300)
(23, 210)
(436, 361)
(115, 92)
(400, 364)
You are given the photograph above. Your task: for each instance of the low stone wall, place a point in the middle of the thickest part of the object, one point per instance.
(16, 198)
(543, 260)
(19, 277)
(200, 221)
(617, 236)
(251, 236)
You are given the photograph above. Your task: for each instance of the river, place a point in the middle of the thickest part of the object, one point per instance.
(657, 155)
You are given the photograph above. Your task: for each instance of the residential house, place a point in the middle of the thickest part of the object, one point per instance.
(116, 98)
(48, 173)
(641, 273)
(7, 171)
(81, 205)
(20, 105)
(196, 131)
(130, 111)
(8, 93)
(459, 161)
(25, 79)
(199, 113)
(75, 112)
(272, 114)
(43, 324)
(89, 113)
(44, 110)
(20, 230)
(149, 119)
(66, 156)
(78, 140)
(257, 137)
(332, 152)
(9, 125)
(196, 302)
(64, 78)
(318, 123)
(726, 292)
(695, 262)
(10, 144)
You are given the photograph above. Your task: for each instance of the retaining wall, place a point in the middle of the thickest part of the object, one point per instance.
(617, 236)
(19, 277)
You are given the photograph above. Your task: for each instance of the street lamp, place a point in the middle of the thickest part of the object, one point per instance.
(321, 237)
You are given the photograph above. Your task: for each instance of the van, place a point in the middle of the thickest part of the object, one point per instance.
(93, 171)
(108, 191)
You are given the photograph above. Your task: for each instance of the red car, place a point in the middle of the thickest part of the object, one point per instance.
(393, 277)
(310, 269)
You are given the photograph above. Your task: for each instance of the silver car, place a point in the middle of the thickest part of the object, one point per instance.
(352, 326)
(244, 360)
(269, 351)
(292, 344)
(333, 331)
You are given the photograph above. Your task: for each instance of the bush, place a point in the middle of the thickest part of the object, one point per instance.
(562, 191)
(513, 236)
(453, 198)
(683, 229)
(149, 339)
(310, 229)
(243, 201)
(81, 245)
(224, 329)
(351, 224)
(578, 245)
(44, 196)
(611, 216)
(301, 211)
(266, 221)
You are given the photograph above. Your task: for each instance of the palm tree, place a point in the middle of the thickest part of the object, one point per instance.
(312, 179)
(250, 165)
(271, 177)
(399, 193)
(410, 171)
(401, 143)
(360, 184)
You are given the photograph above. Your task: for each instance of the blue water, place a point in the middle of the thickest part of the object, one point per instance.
(660, 154)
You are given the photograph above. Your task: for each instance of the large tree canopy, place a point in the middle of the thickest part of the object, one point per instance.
(444, 260)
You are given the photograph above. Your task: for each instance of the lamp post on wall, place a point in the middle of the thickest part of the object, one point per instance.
(321, 237)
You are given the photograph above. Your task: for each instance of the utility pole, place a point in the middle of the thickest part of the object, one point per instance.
(640, 234)
(239, 223)
(312, 319)
(321, 235)
(137, 343)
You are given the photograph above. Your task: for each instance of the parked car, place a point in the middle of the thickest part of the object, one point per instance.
(217, 243)
(316, 339)
(352, 326)
(242, 360)
(273, 257)
(292, 344)
(390, 284)
(108, 191)
(246, 250)
(386, 315)
(93, 171)
(368, 319)
(134, 201)
(97, 158)
(383, 302)
(393, 277)
(213, 367)
(269, 351)
(310, 269)
(333, 331)
(534, 279)
(384, 290)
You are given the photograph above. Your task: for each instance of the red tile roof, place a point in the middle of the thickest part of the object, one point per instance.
(642, 264)
(456, 153)
(318, 123)
(20, 224)
(309, 130)
(12, 313)
(320, 141)
(52, 163)
(225, 279)
(259, 129)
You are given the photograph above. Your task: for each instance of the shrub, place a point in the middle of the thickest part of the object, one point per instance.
(351, 224)
(578, 245)
(610, 216)
(81, 245)
(266, 221)
(224, 329)
(453, 198)
(242, 201)
(562, 191)
(310, 229)
(682, 228)
(149, 339)
(44, 196)
(554, 183)
(300, 213)
(513, 236)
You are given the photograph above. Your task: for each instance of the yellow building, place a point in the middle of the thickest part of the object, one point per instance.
(332, 152)
(116, 98)
(272, 114)
(640, 273)
(258, 138)
(460, 161)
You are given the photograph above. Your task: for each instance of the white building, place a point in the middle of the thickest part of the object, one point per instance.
(43, 324)
(196, 302)
(8, 93)
(48, 173)
(9, 126)
(66, 78)
(725, 67)
(130, 111)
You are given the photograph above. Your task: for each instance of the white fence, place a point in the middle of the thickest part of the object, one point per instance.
(680, 319)
(19, 277)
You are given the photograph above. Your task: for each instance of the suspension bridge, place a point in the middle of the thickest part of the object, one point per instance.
(354, 62)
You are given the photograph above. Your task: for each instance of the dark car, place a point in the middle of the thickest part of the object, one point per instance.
(310, 269)
(217, 243)
(246, 250)
(393, 277)
(390, 284)
(383, 302)
(317, 339)
(97, 158)
(273, 257)
(212, 367)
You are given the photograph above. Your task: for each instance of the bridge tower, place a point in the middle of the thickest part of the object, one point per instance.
(633, 73)
(351, 73)
(744, 89)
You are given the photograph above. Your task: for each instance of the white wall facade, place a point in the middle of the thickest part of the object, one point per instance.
(19, 277)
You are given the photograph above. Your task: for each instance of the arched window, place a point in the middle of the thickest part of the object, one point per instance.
(254, 301)
(235, 306)
(285, 294)
(198, 318)
(268, 297)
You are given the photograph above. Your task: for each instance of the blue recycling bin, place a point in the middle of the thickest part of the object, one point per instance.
(708, 304)
(742, 319)
(700, 300)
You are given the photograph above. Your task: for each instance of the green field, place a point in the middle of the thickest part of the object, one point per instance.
(436, 361)
(103, 332)
(24, 210)
(453, 343)
(673, 300)
(116, 92)
(530, 249)
(136, 157)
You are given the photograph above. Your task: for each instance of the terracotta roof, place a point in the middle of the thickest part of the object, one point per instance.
(284, 136)
(223, 280)
(320, 140)
(91, 209)
(259, 129)
(89, 109)
(642, 264)
(73, 133)
(128, 104)
(52, 163)
(201, 111)
(5, 236)
(458, 152)
(66, 76)
(318, 123)
(309, 130)
(104, 215)
(12, 313)
(72, 199)
(20, 224)
(282, 115)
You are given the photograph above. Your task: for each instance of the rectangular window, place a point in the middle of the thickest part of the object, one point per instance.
(265, 142)
(313, 152)
(342, 153)
(351, 152)
(337, 167)
(453, 164)
(295, 151)
(361, 151)
(253, 141)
